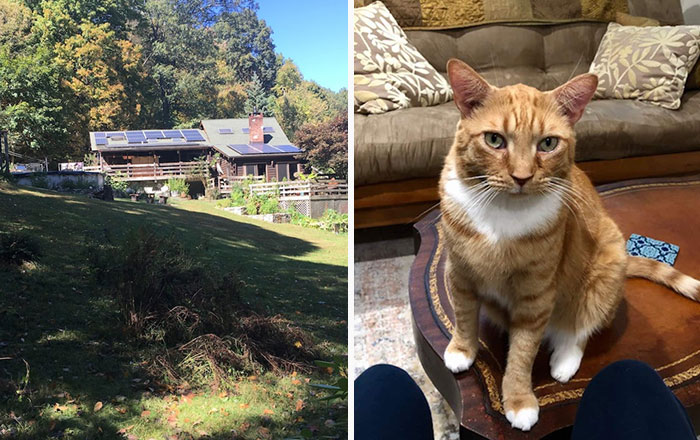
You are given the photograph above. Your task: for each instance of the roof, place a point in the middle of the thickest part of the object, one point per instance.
(273, 133)
(150, 140)
(228, 136)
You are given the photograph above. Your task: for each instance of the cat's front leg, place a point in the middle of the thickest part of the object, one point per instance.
(461, 351)
(519, 401)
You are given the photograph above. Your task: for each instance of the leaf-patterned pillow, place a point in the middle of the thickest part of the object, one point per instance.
(390, 73)
(646, 63)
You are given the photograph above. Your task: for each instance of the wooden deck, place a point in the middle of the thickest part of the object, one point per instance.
(146, 172)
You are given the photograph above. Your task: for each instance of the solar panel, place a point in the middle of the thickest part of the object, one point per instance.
(172, 134)
(154, 134)
(267, 149)
(192, 135)
(268, 129)
(115, 134)
(101, 141)
(288, 148)
(100, 134)
(226, 131)
(135, 136)
(245, 149)
(246, 130)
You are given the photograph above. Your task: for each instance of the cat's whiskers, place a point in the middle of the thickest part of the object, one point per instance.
(566, 185)
(564, 201)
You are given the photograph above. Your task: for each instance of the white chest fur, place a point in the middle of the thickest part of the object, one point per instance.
(507, 216)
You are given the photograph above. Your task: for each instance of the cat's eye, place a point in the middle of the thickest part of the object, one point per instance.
(548, 144)
(494, 140)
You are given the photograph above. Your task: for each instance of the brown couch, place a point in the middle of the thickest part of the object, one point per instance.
(399, 154)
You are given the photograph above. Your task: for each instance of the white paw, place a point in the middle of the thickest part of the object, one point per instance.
(523, 419)
(564, 363)
(457, 361)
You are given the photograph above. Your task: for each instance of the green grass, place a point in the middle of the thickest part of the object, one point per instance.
(54, 317)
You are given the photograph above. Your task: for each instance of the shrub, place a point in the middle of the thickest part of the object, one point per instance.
(212, 193)
(269, 205)
(17, 248)
(332, 220)
(238, 194)
(178, 185)
(252, 205)
(262, 204)
(40, 181)
(90, 160)
(71, 185)
(118, 184)
(237, 198)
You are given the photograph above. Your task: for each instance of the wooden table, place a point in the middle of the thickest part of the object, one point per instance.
(653, 324)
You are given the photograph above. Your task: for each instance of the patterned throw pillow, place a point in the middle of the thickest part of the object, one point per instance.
(646, 63)
(390, 73)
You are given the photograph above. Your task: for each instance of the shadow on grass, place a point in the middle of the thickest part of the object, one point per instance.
(54, 316)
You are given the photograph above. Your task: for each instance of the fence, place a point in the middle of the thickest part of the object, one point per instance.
(306, 190)
(226, 182)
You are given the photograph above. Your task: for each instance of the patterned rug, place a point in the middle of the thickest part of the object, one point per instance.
(383, 331)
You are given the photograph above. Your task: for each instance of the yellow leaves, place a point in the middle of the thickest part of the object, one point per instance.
(267, 411)
(98, 406)
(145, 413)
(299, 405)
(296, 382)
(244, 405)
(297, 344)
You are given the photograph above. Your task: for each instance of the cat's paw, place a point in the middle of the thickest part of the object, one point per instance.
(522, 412)
(457, 360)
(564, 363)
(523, 419)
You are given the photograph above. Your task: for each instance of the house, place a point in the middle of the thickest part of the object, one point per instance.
(235, 149)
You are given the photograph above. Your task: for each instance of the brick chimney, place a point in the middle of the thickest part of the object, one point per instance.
(255, 125)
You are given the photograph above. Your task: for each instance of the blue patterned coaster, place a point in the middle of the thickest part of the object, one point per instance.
(641, 246)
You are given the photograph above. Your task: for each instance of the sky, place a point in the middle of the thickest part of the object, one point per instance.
(314, 34)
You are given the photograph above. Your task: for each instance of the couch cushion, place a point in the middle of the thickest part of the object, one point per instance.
(413, 142)
(539, 56)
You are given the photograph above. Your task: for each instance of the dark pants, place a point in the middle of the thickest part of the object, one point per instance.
(626, 400)
(629, 400)
(389, 405)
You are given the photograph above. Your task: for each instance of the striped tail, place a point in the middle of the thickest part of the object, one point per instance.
(639, 267)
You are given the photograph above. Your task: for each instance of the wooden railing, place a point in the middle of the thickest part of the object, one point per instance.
(226, 182)
(296, 190)
(155, 171)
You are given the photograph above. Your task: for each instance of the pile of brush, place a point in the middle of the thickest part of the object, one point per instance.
(168, 299)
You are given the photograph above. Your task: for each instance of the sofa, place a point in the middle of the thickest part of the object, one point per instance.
(398, 155)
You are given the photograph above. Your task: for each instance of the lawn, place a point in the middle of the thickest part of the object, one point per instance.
(68, 370)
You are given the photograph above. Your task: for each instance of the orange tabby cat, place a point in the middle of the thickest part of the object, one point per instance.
(527, 238)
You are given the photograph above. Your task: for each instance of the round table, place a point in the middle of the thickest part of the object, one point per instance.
(653, 324)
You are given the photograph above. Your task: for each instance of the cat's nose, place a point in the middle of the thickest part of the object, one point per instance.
(520, 180)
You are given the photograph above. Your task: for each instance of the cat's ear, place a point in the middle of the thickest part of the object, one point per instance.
(469, 87)
(573, 96)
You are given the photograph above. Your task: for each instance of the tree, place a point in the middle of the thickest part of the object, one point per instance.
(15, 25)
(257, 97)
(103, 74)
(245, 43)
(325, 145)
(31, 104)
(298, 102)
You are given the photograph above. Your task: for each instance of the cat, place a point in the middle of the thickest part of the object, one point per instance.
(527, 238)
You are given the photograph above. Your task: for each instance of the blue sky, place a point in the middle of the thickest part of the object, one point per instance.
(314, 34)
